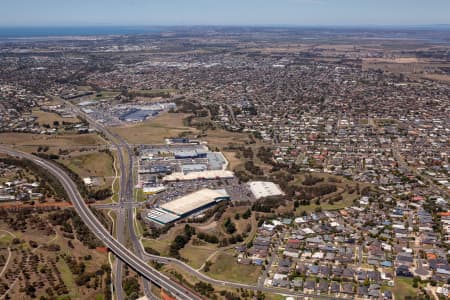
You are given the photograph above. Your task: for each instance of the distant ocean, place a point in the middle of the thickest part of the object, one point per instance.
(24, 32)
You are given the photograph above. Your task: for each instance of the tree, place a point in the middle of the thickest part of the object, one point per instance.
(247, 214)
(207, 266)
(229, 226)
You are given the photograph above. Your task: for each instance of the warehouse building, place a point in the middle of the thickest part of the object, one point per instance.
(183, 154)
(203, 175)
(187, 205)
(262, 189)
(155, 170)
(137, 115)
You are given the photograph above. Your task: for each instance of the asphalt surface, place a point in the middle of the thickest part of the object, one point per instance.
(229, 284)
(126, 199)
(127, 256)
(120, 233)
(88, 217)
(125, 215)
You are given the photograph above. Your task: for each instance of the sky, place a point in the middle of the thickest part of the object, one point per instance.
(14, 13)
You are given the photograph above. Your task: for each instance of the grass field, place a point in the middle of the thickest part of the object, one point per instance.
(403, 288)
(196, 255)
(138, 224)
(192, 280)
(140, 196)
(233, 161)
(5, 239)
(63, 140)
(97, 164)
(154, 131)
(161, 246)
(347, 198)
(241, 224)
(116, 187)
(153, 92)
(225, 267)
(48, 118)
(67, 277)
(99, 297)
(220, 138)
(325, 206)
(106, 94)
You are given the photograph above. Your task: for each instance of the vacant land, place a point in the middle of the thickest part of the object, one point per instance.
(162, 243)
(153, 92)
(154, 131)
(403, 288)
(98, 164)
(221, 138)
(50, 118)
(162, 246)
(190, 280)
(347, 191)
(233, 160)
(62, 141)
(437, 77)
(225, 267)
(44, 251)
(196, 255)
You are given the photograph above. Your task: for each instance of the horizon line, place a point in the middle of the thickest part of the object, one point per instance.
(219, 25)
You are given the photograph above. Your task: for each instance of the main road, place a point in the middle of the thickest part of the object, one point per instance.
(127, 256)
(125, 213)
(117, 246)
(91, 221)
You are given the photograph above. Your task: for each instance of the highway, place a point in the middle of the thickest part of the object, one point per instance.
(125, 213)
(127, 256)
(120, 222)
(128, 189)
(88, 217)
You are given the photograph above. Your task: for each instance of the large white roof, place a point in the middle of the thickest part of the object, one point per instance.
(193, 201)
(261, 189)
(208, 174)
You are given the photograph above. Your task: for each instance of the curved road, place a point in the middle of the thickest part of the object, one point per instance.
(88, 217)
(203, 277)
(134, 261)
(125, 194)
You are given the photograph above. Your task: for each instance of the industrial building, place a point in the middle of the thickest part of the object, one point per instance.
(207, 175)
(180, 151)
(197, 153)
(137, 115)
(187, 205)
(262, 189)
(155, 170)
